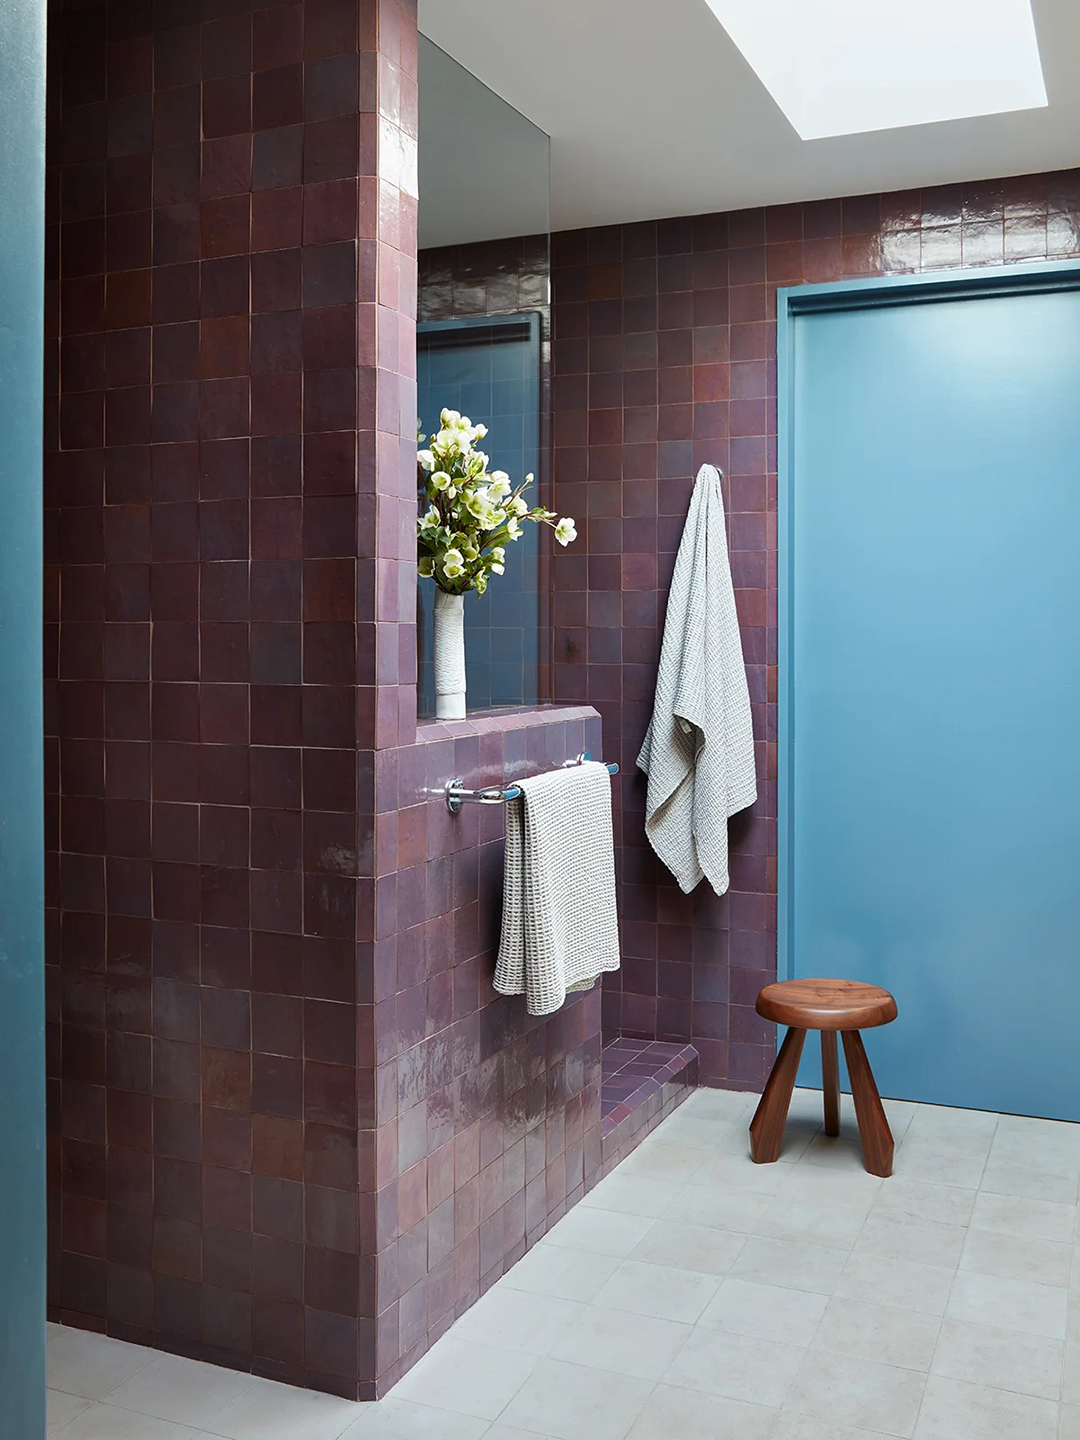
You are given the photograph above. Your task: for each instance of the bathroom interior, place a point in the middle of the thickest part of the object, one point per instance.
(406, 994)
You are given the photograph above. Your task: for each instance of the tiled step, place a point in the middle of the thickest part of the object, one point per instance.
(641, 1082)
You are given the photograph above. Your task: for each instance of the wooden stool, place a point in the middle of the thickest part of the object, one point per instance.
(826, 1005)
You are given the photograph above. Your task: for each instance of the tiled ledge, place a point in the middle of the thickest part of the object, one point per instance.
(642, 1081)
(488, 722)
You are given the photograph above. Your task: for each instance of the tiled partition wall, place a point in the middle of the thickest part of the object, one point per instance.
(229, 516)
(664, 358)
(292, 1128)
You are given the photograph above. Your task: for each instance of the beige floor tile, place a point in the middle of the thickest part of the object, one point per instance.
(955, 1410)
(1030, 1182)
(1055, 1144)
(712, 1104)
(1003, 1359)
(672, 1413)
(923, 1202)
(184, 1391)
(268, 1411)
(568, 1402)
(1070, 1377)
(819, 1223)
(724, 1173)
(845, 1150)
(393, 1419)
(1049, 1159)
(1036, 1129)
(837, 1152)
(1020, 1305)
(821, 1185)
(715, 1136)
(790, 1264)
(629, 1344)
(658, 1160)
(939, 1245)
(736, 1366)
(866, 1331)
(632, 1196)
(1035, 1218)
(806, 1109)
(82, 1363)
(63, 1408)
(662, 1291)
(518, 1320)
(604, 1232)
(940, 1161)
(765, 1312)
(567, 1274)
(948, 1122)
(907, 1284)
(465, 1377)
(843, 1391)
(511, 1432)
(1017, 1257)
(101, 1421)
(1069, 1424)
(689, 1247)
(737, 1210)
(790, 1426)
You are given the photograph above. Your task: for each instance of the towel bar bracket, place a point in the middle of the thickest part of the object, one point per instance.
(457, 795)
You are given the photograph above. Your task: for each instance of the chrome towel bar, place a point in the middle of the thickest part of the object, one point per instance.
(457, 795)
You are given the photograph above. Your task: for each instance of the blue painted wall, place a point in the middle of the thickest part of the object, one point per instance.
(22, 1061)
(489, 369)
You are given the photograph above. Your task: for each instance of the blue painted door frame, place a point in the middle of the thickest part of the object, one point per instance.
(1042, 1084)
(22, 1005)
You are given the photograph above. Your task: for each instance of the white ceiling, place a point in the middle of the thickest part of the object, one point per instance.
(652, 111)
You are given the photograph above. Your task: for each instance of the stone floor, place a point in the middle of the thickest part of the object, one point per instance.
(693, 1294)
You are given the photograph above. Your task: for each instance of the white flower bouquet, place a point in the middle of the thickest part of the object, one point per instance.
(470, 514)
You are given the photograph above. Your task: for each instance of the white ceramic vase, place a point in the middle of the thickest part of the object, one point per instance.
(449, 656)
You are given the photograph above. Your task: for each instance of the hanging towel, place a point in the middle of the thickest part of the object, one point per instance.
(559, 925)
(699, 749)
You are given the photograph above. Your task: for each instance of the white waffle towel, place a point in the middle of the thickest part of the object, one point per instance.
(699, 749)
(559, 924)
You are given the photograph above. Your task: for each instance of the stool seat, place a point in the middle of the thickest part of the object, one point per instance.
(826, 1004)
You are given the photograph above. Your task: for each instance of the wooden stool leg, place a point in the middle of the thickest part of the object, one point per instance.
(767, 1126)
(877, 1140)
(830, 1082)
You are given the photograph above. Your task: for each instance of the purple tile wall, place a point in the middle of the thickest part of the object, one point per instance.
(664, 357)
(230, 551)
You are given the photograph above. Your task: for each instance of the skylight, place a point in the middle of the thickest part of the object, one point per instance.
(841, 67)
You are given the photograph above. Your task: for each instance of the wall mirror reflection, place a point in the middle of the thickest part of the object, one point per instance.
(483, 344)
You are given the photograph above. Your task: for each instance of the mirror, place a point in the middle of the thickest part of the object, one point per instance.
(483, 348)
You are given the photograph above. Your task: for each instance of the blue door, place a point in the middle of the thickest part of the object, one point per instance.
(930, 685)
